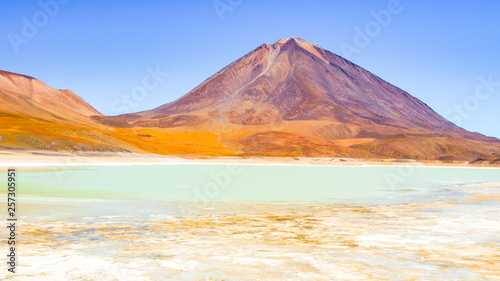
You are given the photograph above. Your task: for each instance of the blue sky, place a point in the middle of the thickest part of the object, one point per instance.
(102, 50)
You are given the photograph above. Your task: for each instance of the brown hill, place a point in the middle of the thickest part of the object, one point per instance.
(36, 116)
(296, 80)
(294, 98)
(31, 97)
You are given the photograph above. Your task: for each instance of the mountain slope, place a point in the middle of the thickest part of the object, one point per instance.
(296, 80)
(31, 97)
(294, 98)
(37, 117)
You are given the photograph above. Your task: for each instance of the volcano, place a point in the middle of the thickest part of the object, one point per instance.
(294, 98)
(296, 80)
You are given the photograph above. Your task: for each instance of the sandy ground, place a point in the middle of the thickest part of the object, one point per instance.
(14, 157)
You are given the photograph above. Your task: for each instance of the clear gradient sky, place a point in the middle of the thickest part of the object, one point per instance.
(101, 50)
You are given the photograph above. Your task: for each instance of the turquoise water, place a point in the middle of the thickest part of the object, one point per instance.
(253, 183)
(136, 192)
(195, 221)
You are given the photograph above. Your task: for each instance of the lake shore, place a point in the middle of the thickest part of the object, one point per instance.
(410, 230)
(51, 158)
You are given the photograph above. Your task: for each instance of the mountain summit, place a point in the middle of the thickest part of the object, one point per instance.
(296, 98)
(296, 80)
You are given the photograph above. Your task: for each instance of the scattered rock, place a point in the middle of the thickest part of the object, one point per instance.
(2, 139)
(496, 161)
(477, 161)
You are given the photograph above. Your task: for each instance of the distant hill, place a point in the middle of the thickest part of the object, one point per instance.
(31, 97)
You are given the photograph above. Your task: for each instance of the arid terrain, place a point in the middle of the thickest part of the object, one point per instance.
(288, 99)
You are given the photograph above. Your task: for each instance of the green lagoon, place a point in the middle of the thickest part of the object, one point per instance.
(256, 222)
(255, 183)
